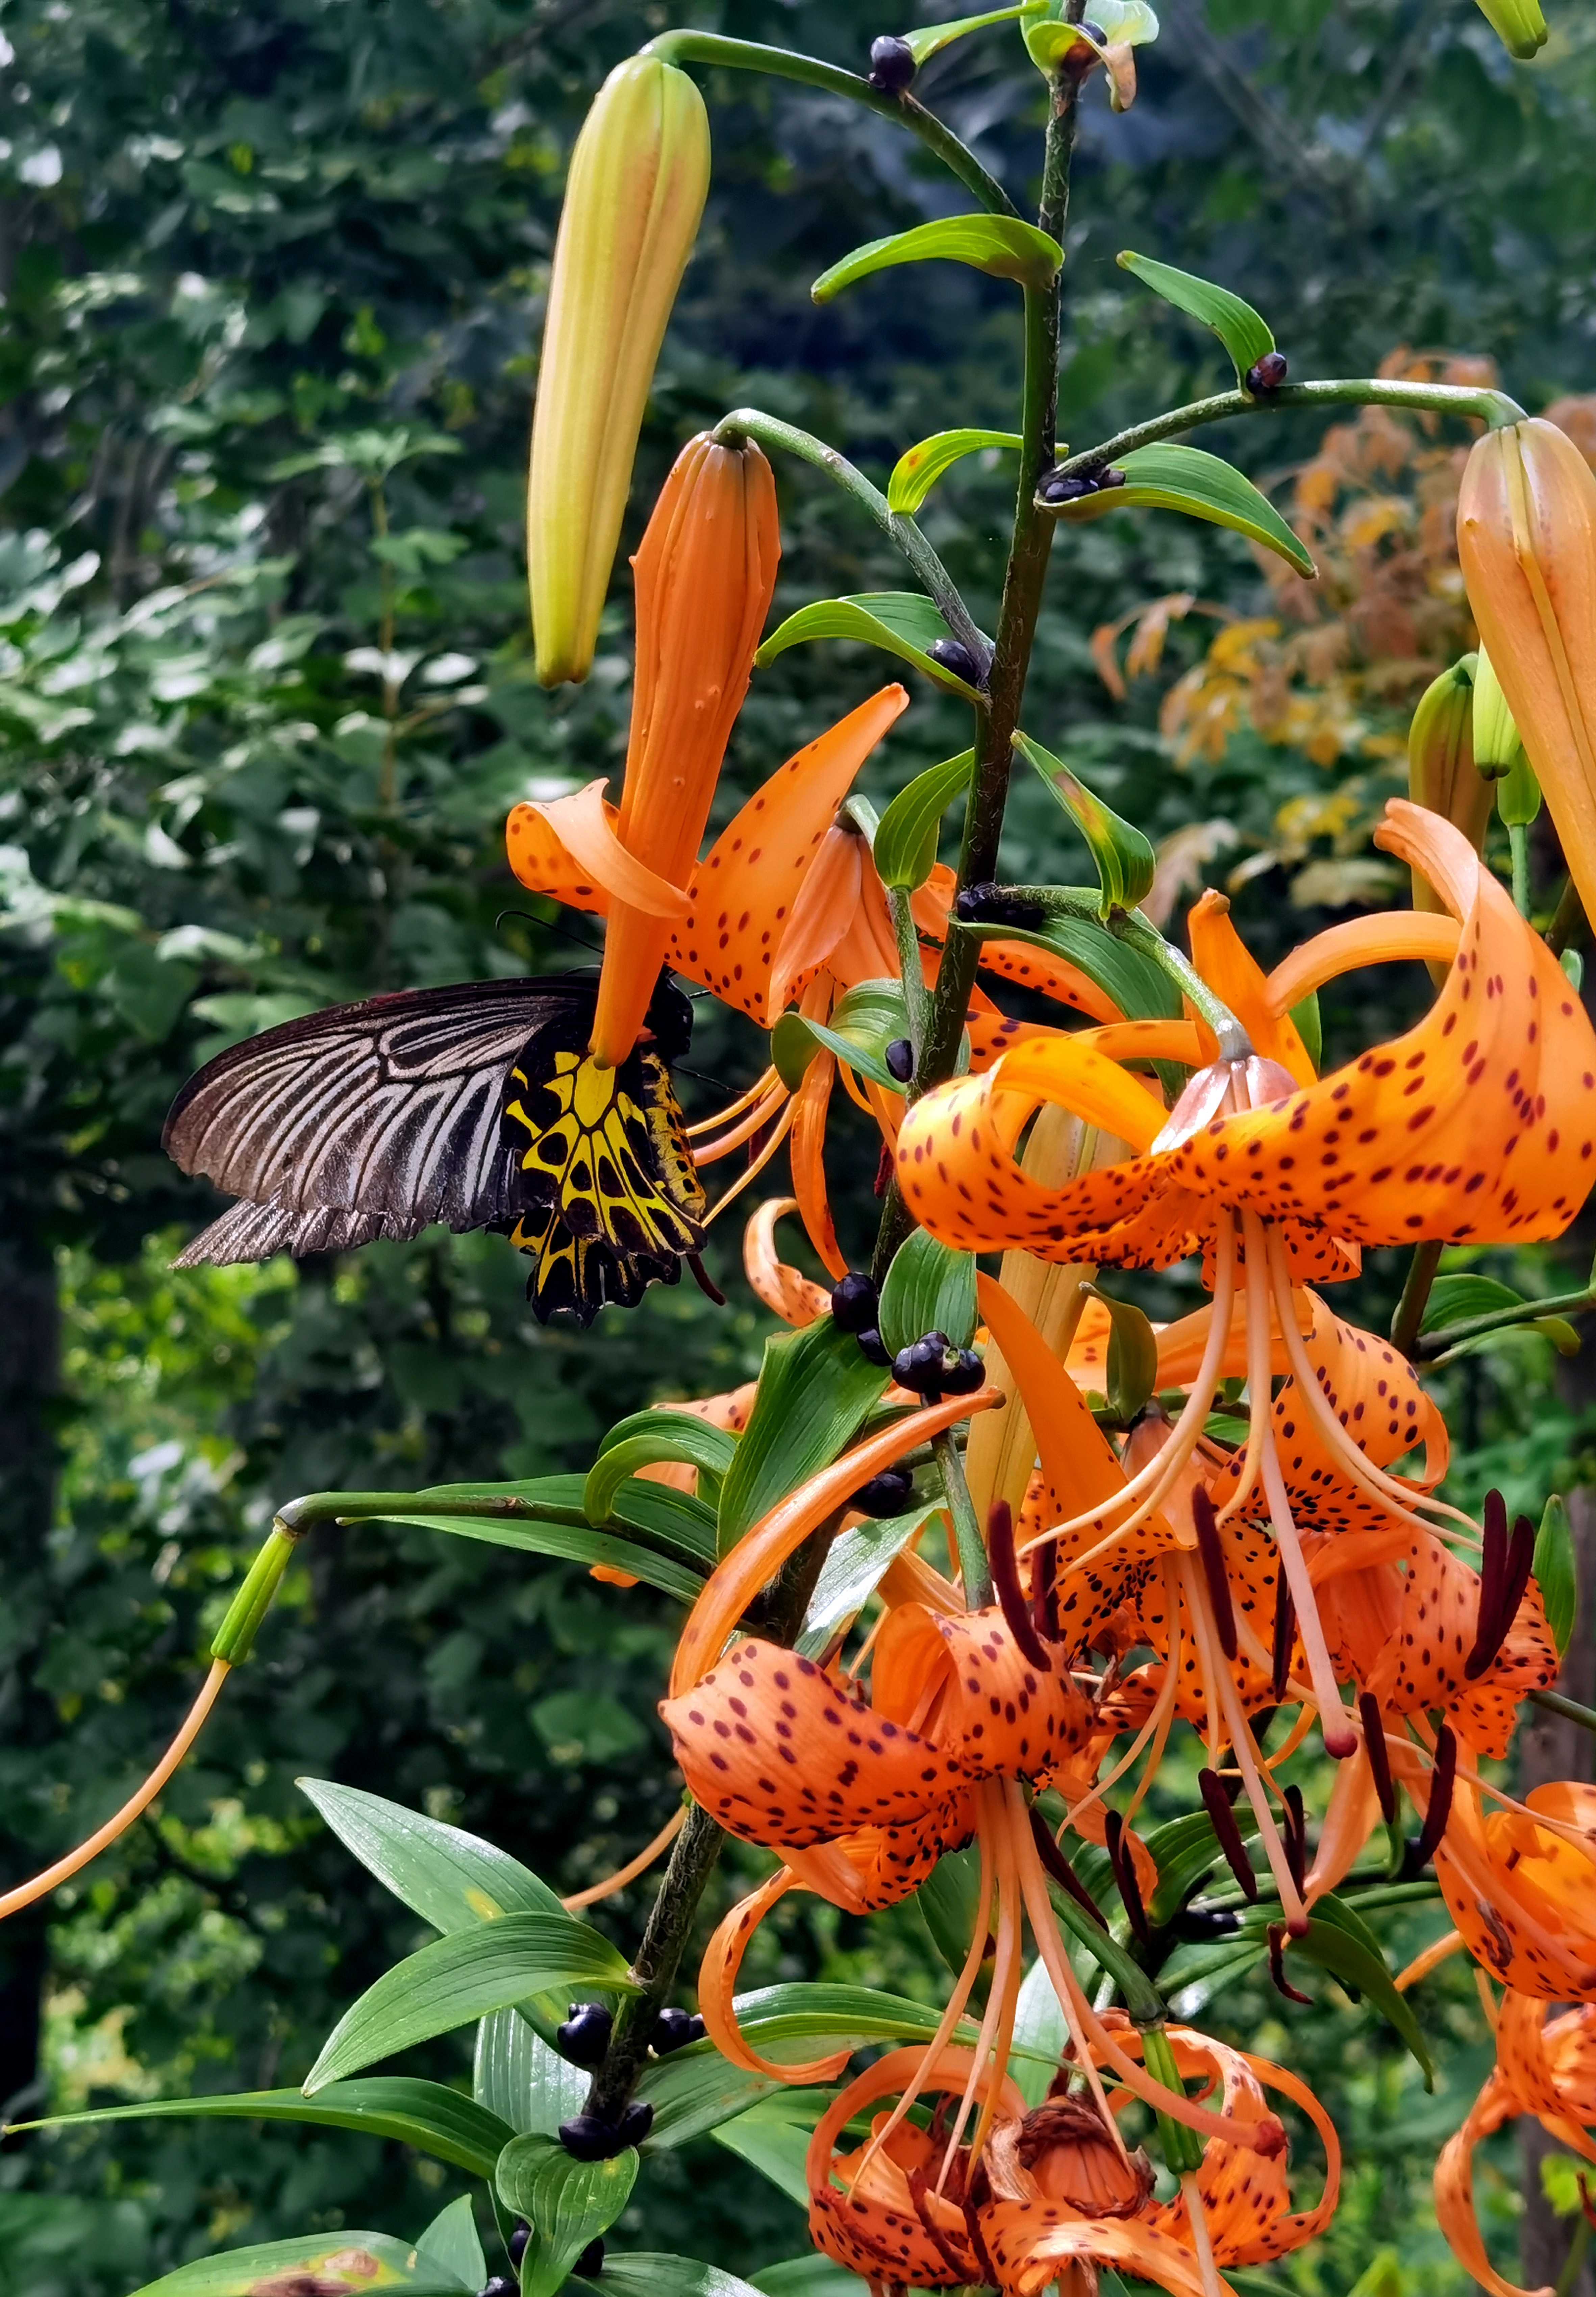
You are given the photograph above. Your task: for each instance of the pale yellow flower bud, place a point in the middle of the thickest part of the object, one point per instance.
(633, 200)
(1526, 536)
(1517, 24)
(1496, 743)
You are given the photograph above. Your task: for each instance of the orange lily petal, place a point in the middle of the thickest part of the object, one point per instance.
(1230, 970)
(778, 1755)
(1246, 2198)
(1455, 2214)
(806, 1155)
(982, 1699)
(1382, 940)
(544, 863)
(717, 1987)
(820, 915)
(762, 1551)
(1522, 1896)
(788, 1294)
(745, 888)
(1421, 1666)
(1026, 2259)
(583, 825)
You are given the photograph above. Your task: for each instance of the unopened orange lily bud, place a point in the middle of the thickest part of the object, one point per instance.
(638, 178)
(1442, 774)
(704, 575)
(1526, 536)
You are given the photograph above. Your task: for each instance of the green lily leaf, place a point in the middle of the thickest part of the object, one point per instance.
(1184, 1850)
(917, 470)
(1243, 333)
(567, 2202)
(928, 40)
(1309, 1025)
(694, 2091)
(452, 1880)
(1459, 1299)
(335, 2264)
(1341, 1941)
(655, 2273)
(814, 1390)
(1125, 859)
(1001, 245)
(1556, 1572)
(905, 836)
(871, 1016)
(900, 623)
(452, 2243)
(1132, 1368)
(1040, 2035)
(1167, 477)
(461, 1978)
(434, 2120)
(928, 1288)
(809, 2277)
(519, 2078)
(1049, 38)
(853, 1570)
(648, 1437)
(552, 1525)
(773, 2138)
(950, 1904)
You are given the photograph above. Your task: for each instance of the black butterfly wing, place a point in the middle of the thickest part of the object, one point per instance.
(388, 1112)
(248, 1231)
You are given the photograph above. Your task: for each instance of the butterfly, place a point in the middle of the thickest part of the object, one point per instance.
(477, 1106)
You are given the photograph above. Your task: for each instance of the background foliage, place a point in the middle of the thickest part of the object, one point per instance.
(272, 286)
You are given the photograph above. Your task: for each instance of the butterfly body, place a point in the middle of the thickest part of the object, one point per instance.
(476, 1105)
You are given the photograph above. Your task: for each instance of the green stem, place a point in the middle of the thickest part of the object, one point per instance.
(690, 48)
(974, 1569)
(1143, 2002)
(1234, 1043)
(1569, 1710)
(1439, 1346)
(1415, 1298)
(1492, 408)
(1569, 926)
(750, 423)
(1569, 2275)
(1518, 846)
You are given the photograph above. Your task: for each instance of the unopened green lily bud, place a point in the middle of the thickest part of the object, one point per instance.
(1440, 769)
(1496, 743)
(633, 200)
(1517, 24)
(1518, 794)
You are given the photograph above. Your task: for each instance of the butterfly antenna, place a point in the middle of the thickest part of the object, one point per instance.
(700, 1077)
(551, 925)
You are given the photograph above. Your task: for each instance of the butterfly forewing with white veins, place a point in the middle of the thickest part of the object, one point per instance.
(476, 1105)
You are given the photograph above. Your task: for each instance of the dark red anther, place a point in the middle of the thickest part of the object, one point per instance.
(1293, 1833)
(1213, 1569)
(1285, 1633)
(1006, 1581)
(919, 2193)
(885, 1166)
(1044, 1603)
(1504, 1575)
(1379, 1761)
(1059, 1866)
(1124, 1874)
(1276, 1966)
(1217, 1802)
(1438, 1809)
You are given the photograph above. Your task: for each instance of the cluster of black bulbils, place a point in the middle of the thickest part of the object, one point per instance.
(930, 1366)
(1072, 486)
(582, 2041)
(997, 905)
(1268, 374)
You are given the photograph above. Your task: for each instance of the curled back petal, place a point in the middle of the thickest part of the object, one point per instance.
(586, 827)
(966, 1685)
(785, 1291)
(1382, 940)
(1421, 1664)
(777, 1754)
(544, 863)
(1237, 978)
(1026, 2256)
(718, 1983)
(1246, 2198)
(1455, 2213)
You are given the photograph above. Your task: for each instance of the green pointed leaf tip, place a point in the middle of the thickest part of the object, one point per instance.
(1132, 1368)
(647, 1438)
(1050, 36)
(1125, 860)
(905, 836)
(928, 1288)
(1556, 1572)
(900, 623)
(1243, 331)
(928, 40)
(451, 1879)
(567, 2202)
(855, 1564)
(1001, 245)
(814, 1390)
(461, 1978)
(452, 2243)
(868, 1019)
(1168, 477)
(917, 470)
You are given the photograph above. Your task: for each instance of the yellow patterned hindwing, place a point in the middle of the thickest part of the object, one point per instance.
(606, 1150)
(576, 1275)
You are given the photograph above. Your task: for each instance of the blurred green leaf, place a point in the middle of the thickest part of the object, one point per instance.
(1003, 245)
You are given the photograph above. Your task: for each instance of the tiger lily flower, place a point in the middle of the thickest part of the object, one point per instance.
(1479, 1124)
(1526, 537)
(1545, 2068)
(1520, 1886)
(1059, 2189)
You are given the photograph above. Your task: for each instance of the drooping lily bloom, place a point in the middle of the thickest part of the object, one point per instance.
(1479, 1124)
(1521, 1886)
(1058, 2189)
(1547, 2070)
